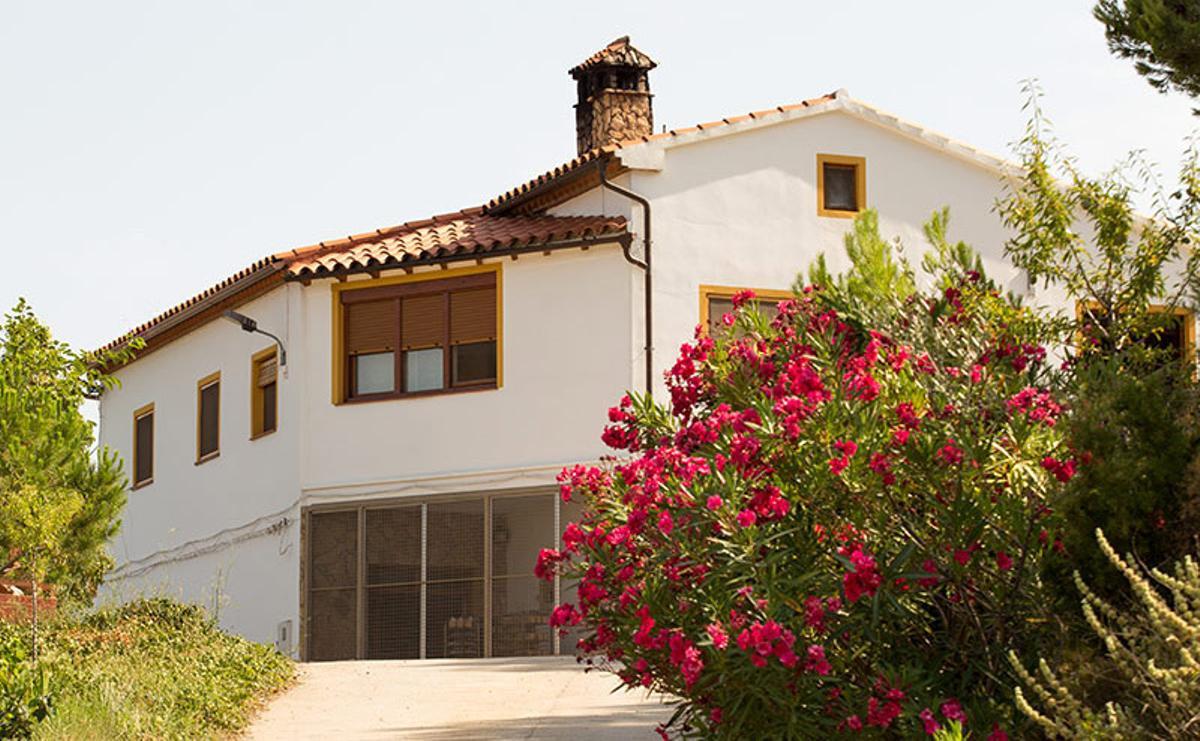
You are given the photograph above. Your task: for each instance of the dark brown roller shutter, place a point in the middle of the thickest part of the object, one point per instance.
(210, 415)
(473, 315)
(371, 326)
(424, 321)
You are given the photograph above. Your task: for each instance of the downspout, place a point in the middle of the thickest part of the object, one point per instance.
(648, 280)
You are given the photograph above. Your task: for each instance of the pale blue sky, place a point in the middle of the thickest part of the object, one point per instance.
(149, 149)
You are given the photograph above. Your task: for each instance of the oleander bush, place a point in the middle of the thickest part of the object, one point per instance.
(1152, 649)
(832, 527)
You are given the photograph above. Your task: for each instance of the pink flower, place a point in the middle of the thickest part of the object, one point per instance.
(746, 518)
(927, 720)
(952, 710)
(997, 733)
(665, 523)
(962, 556)
(714, 502)
(716, 632)
(929, 567)
(865, 578)
(1003, 561)
(716, 715)
(854, 723)
(950, 454)
(815, 660)
(742, 297)
(564, 614)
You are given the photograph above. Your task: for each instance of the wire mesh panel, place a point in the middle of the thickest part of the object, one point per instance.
(454, 620)
(455, 540)
(333, 582)
(521, 603)
(454, 614)
(394, 622)
(393, 575)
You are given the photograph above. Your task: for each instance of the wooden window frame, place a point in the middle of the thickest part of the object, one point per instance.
(399, 286)
(202, 384)
(1189, 324)
(142, 411)
(860, 184)
(256, 393)
(708, 292)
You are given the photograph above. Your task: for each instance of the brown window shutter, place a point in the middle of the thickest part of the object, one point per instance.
(210, 412)
(267, 370)
(473, 315)
(371, 327)
(424, 321)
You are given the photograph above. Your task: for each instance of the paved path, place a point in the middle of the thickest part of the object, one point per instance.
(542, 698)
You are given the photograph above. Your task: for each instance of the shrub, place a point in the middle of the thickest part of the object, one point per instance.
(149, 669)
(1155, 651)
(829, 529)
(1139, 427)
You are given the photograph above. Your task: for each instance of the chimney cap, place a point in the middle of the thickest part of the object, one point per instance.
(618, 53)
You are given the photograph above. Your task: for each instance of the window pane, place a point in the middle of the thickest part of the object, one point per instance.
(423, 369)
(718, 307)
(268, 407)
(841, 193)
(374, 373)
(144, 454)
(474, 363)
(210, 400)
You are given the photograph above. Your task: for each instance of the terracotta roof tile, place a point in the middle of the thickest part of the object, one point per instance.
(619, 52)
(461, 233)
(469, 232)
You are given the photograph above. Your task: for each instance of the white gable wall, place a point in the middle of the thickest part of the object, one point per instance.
(742, 210)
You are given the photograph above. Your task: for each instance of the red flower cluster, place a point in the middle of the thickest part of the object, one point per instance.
(865, 578)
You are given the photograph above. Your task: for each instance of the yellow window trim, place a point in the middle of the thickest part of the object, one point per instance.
(860, 184)
(709, 291)
(338, 395)
(256, 421)
(1189, 327)
(138, 413)
(202, 384)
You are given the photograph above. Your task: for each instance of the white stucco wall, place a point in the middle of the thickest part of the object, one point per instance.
(249, 487)
(742, 210)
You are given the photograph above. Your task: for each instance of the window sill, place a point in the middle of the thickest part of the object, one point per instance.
(422, 394)
(209, 457)
(837, 213)
(261, 435)
(141, 484)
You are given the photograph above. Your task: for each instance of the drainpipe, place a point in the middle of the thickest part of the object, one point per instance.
(644, 265)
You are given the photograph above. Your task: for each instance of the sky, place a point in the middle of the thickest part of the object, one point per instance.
(150, 149)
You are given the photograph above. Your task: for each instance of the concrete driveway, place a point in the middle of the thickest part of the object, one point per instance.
(541, 698)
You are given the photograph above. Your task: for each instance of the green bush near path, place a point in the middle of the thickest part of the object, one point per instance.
(150, 669)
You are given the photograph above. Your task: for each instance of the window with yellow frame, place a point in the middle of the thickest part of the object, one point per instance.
(717, 301)
(432, 332)
(1177, 336)
(841, 185)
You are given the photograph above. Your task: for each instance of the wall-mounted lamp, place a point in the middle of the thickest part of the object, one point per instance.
(250, 325)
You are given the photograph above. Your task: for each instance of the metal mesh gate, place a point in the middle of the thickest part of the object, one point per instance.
(443, 578)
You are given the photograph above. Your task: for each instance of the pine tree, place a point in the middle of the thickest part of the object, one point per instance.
(1161, 36)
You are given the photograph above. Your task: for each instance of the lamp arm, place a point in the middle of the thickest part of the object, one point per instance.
(279, 343)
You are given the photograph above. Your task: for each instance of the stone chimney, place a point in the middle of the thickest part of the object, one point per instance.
(614, 96)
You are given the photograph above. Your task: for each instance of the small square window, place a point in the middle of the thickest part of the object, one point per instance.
(841, 189)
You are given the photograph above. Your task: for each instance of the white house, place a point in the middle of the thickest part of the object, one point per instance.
(384, 493)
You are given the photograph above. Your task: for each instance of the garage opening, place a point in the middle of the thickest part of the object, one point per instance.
(450, 577)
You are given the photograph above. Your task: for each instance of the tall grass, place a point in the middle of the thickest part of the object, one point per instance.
(151, 669)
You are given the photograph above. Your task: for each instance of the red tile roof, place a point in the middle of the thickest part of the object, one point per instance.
(469, 232)
(458, 235)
